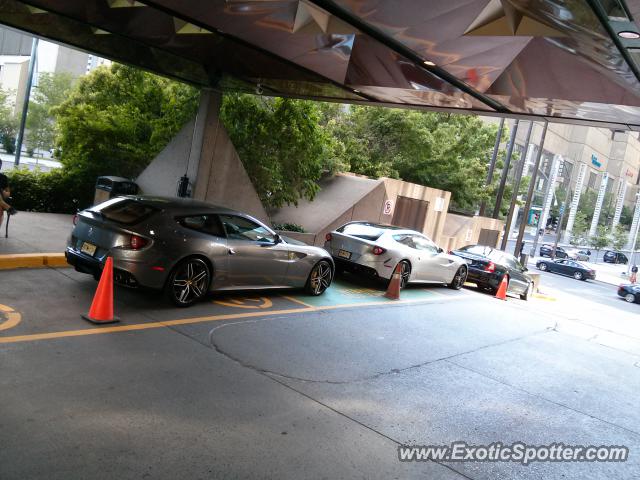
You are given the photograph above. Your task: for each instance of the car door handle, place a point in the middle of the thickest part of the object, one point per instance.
(231, 251)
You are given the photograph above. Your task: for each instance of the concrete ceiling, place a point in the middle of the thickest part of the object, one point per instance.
(557, 59)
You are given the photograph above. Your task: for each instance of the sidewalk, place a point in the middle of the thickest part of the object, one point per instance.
(31, 232)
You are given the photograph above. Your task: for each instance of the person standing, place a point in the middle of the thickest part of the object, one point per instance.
(634, 274)
(5, 193)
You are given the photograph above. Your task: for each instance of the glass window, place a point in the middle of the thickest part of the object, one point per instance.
(125, 211)
(423, 243)
(240, 228)
(203, 223)
(476, 249)
(366, 231)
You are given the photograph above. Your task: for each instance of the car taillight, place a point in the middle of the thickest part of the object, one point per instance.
(328, 237)
(75, 219)
(137, 242)
(491, 267)
(378, 250)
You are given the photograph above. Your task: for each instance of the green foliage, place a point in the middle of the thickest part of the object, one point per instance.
(8, 124)
(580, 229)
(626, 217)
(115, 120)
(52, 191)
(288, 227)
(588, 203)
(619, 237)
(601, 238)
(52, 90)
(281, 144)
(443, 151)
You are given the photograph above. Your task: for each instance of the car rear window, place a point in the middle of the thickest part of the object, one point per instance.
(362, 230)
(126, 211)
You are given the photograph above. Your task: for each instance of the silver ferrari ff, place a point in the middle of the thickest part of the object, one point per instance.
(376, 250)
(188, 248)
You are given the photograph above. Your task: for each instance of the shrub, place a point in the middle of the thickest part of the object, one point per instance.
(9, 144)
(55, 191)
(288, 227)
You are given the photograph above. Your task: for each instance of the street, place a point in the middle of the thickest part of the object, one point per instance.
(275, 386)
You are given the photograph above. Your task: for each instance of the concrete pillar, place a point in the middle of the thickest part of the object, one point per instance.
(598, 208)
(551, 189)
(575, 201)
(635, 225)
(622, 191)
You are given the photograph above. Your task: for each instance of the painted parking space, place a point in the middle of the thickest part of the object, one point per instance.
(59, 314)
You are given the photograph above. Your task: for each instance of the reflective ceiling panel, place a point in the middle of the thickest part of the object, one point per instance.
(556, 59)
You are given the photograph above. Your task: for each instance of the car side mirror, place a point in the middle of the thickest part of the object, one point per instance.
(440, 250)
(277, 239)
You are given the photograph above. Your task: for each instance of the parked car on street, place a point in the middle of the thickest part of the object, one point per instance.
(567, 267)
(546, 250)
(580, 255)
(188, 248)
(487, 267)
(615, 257)
(630, 292)
(377, 250)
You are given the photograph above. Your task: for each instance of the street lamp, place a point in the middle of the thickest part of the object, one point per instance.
(635, 236)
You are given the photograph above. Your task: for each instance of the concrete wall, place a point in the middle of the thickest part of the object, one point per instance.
(162, 174)
(203, 150)
(460, 230)
(438, 204)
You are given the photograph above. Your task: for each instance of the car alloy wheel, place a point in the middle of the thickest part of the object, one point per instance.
(578, 275)
(319, 278)
(459, 278)
(188, 282)
(630, 297)
(405, 273)
(543, 267)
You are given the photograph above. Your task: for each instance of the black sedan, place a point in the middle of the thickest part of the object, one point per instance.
(546, 250)
(615, 257)
(631, 292)
(487, 267)
(567, 267)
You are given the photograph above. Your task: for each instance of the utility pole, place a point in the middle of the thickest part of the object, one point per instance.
(505, 171)
(27, 95)
(492, 165)
(532, 187)
(559, 230)
(516, 189)
(633, 233)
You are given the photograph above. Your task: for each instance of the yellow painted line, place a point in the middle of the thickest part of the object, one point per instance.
(188, 321)
(295, 300)
(13, 318)
(266, 303)
(544, 297)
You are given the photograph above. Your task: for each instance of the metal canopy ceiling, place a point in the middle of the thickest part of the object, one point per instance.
(556, 59)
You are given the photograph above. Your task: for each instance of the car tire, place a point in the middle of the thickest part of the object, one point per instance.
(188, 282)
(320, 278)
(525, 296)
(630, 297)
(458, 279)
(578, 275)
(543, 267)
(405, 273)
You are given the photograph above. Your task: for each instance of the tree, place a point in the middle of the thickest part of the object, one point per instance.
(115, 120)
(281, 144)
(600, 239)
(580, 229)
(8, 123)
(619, 237)
(445, 151)
(51, 91)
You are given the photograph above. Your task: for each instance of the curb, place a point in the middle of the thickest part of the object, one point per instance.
(32, 260)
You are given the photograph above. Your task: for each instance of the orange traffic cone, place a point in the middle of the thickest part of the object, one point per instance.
(393, 290)
(501, 294)
(101, 310)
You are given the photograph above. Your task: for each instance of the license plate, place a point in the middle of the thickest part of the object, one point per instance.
(88, 248)
(344, 254)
